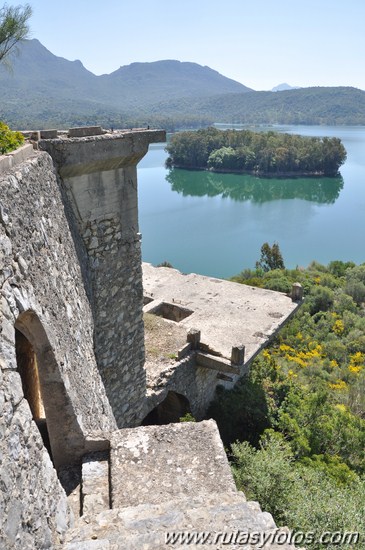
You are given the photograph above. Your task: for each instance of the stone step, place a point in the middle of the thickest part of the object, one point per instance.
(146, 526)
(154, 464)
(95, 493)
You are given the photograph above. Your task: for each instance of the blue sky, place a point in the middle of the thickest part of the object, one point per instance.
(260, 43)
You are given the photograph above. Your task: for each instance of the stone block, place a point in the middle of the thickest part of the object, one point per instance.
(84, 131)
(190, 458)
(49, 134)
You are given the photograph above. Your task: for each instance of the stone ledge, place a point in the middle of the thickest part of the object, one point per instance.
(10, 160)
(166, 462)
(216, 363)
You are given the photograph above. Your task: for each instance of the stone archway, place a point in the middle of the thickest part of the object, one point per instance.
(28, 369)
(169, 411)
(45, 391)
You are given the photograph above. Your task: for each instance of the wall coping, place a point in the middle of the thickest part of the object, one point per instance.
(12, 159)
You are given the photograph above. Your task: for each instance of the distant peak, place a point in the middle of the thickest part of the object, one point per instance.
(284, 86)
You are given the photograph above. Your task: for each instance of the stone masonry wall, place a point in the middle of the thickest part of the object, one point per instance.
(99, 177)
(196, 383)
(106, 204)
(118, 296)
(42, 295)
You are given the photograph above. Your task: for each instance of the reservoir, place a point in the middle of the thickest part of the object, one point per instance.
(214, 224)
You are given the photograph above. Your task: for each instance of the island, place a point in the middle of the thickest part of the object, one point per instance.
(267, 154)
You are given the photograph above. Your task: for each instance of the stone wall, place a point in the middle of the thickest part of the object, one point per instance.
(109, 228)
(196, 383)
(42, 298)
(99, 177)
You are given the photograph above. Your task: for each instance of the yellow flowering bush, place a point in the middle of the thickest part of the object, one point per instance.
(338, 327)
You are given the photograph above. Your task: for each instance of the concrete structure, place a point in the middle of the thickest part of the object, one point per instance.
(214, 329)
(72, 363)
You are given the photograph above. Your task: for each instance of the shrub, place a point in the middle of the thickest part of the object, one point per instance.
(321, 496)
(9, 140)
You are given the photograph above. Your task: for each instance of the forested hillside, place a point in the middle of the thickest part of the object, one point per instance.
(295, 425)
(44, 90)
(319, 105)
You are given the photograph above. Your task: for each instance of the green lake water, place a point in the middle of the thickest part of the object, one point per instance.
(215, 224)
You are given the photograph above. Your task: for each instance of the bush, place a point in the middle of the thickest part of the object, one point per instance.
(321, 299)
(356, 289)
(9, 140)
(321, 496)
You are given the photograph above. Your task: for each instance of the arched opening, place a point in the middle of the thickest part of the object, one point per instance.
(169, 411)
(28, 369)
(44, 388)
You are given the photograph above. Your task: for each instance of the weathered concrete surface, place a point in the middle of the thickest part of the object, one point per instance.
(222, 515)
(226, 313)
(167, 461)
(110, 151)
(100, 181)
(95, 483)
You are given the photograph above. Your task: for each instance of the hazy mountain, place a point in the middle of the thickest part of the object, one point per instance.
(44, 90)
(37, 71)
(284, 86)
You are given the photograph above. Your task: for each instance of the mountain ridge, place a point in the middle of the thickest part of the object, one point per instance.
(46, 90)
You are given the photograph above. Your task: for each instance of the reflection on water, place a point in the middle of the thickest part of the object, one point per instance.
(249, 188)
(215, 224)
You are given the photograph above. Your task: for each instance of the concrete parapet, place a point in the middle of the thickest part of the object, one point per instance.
(84, 131)
(11, 160)
(216, 363)
(79, 156)
(48, 134)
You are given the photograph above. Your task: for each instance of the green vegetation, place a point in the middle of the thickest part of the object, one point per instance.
(340, 105)
(188, 417)
(295, 424)
(271, 258)
(9, 140)
(13, 27)
(259, 153)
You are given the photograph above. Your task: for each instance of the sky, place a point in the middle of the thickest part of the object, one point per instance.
(260, 43)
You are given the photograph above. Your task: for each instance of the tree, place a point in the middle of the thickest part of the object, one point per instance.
(13, 27)
(271, 258)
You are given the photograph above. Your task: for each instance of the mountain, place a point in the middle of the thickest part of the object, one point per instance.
(43, 84)
(284, 86)
(44, 90)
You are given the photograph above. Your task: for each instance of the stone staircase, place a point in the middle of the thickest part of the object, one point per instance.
(164, 487)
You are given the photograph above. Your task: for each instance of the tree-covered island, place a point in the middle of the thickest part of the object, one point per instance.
(258, 153)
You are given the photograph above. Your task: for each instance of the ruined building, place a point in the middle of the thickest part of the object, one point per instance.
(76, 471)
